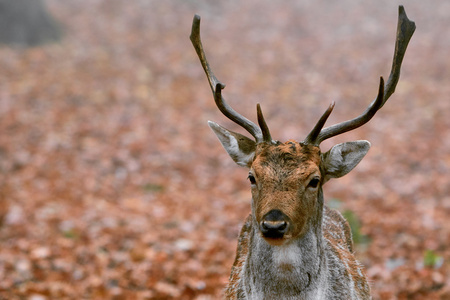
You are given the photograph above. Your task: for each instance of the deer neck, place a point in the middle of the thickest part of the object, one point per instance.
(295, 270)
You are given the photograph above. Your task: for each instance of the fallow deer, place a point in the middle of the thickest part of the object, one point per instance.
(292, 246)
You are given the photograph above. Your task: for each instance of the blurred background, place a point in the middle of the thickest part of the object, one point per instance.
(112, 186)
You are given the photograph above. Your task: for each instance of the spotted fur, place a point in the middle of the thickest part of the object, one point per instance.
(343, 276)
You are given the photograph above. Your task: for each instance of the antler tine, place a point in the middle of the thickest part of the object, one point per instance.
(312, 136)
(217, 86)
(263, 125)
(405, 30)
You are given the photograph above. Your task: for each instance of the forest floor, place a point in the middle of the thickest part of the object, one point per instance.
(112, 186)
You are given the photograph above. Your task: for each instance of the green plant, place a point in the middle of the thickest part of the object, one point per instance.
(359, 238)
(431, 259)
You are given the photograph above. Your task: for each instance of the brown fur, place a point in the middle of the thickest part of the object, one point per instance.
(241, 254)
(282, 172)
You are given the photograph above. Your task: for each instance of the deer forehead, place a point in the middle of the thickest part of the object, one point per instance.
(284, 160)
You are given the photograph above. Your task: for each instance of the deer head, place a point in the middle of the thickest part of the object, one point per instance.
(286, 178)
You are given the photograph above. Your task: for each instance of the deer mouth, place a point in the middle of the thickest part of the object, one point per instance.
(275, 241)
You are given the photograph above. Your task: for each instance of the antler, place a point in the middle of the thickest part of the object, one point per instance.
(405, 30)
(260, 134)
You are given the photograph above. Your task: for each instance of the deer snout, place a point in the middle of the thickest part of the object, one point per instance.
(274, 224)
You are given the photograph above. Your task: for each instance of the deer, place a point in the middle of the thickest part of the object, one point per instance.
(292, 246)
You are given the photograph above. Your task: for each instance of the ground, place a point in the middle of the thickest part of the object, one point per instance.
(112, 186)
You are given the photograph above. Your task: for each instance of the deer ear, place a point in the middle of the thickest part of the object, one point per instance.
(240, 148)
(342, 158)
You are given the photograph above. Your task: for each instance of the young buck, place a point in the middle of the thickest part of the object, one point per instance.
(292, 246)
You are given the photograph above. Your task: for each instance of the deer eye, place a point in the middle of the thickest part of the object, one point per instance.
(252, 179)
(314, 182)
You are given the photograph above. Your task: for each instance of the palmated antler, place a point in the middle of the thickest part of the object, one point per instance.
(260, 133)
(405, 30)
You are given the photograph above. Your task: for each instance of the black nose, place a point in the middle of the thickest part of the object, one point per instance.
(274, 224)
